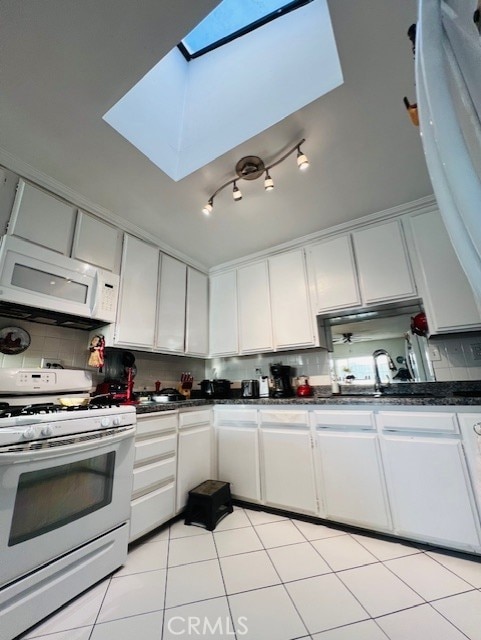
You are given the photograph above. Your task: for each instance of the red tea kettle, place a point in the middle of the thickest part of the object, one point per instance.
(304, 390)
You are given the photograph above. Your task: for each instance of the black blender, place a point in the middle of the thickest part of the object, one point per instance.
(281, 378)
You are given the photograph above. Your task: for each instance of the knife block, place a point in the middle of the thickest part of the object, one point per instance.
(184, 392)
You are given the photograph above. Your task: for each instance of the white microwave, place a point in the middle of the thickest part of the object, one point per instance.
(37, 277)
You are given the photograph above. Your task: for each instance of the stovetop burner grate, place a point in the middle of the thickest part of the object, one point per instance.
(50, 407)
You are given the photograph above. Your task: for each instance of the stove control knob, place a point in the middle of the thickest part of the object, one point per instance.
(117, 421)
(47, 431)
(29, 434)
(105, 422)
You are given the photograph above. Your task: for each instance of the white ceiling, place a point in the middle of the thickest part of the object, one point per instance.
(64, 63)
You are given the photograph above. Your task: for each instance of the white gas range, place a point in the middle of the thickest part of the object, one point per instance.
(65, 485)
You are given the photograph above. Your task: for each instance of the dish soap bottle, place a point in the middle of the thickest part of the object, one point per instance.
(335, 388)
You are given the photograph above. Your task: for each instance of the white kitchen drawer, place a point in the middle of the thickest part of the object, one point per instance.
(285, 417)
(148, 425)
(155, 449)
(343, 419)
(418, 421)
(190, 418)
(151, 510)
(151, 476)
(236, 415)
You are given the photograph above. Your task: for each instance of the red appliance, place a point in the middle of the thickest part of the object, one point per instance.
(304, 390)
(419, 324)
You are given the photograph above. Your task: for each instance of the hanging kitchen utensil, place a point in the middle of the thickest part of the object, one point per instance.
(13, 340)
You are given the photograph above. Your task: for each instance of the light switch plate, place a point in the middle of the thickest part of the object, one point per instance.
(434, 354)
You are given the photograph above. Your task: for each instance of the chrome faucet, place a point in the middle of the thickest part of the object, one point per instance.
(378, 388)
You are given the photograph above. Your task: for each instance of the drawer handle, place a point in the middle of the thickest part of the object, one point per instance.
(477, 428)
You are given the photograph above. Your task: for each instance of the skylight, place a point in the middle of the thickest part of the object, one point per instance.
(231, 19)
(172, 118)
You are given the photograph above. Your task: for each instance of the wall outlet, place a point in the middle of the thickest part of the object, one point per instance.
(434, 354)
(50, 363)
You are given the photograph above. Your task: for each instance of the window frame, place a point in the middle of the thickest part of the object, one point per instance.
(290, 6)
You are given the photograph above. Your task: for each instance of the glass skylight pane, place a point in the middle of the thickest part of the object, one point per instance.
(229, 17)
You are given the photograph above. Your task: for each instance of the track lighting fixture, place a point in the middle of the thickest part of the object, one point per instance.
(208, 208)
(251, 168)
(302, 161)
(236, 193)
(268, 182)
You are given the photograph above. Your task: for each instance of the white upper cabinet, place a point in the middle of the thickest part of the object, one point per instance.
(292, 318)
(97, 243)
(223, 340)
(138, 294)
(333, 273)
(43, 219)
(255, 333)
(197, 320)
(383, 263)
(39, 217)
(171, 305)
(447, 295)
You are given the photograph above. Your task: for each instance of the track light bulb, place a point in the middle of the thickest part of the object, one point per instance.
(268, 182)
(207, 210)
(302, 161)
(236, 194)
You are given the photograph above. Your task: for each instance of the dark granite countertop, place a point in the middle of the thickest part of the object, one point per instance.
(429, 395)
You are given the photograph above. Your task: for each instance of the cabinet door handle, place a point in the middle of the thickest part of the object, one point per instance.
(477, 428)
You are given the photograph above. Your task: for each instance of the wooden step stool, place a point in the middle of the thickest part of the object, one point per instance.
(208, 503)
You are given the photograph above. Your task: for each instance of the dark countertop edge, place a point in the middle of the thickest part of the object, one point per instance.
(321, 401)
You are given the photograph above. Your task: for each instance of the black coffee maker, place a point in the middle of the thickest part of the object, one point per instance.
(281, 378)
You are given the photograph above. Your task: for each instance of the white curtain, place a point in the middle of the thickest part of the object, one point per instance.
(448, 82)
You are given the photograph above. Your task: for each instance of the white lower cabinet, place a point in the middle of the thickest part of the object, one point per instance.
(350, 473)
(429, 489)
(401, 471)
(238, 452)
(288, 477)
(153, 489)
(352, 479)
(194, 458)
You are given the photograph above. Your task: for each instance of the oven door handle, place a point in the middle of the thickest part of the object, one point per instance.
(57, 450)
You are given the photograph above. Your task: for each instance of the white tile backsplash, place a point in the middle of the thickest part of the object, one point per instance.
(458, 357)
(459, 353)
(71, 346)
(309, 362)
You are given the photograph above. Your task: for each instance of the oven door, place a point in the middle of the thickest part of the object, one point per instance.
(59, 497)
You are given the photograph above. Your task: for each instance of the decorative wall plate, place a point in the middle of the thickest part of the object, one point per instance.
(13, 340)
